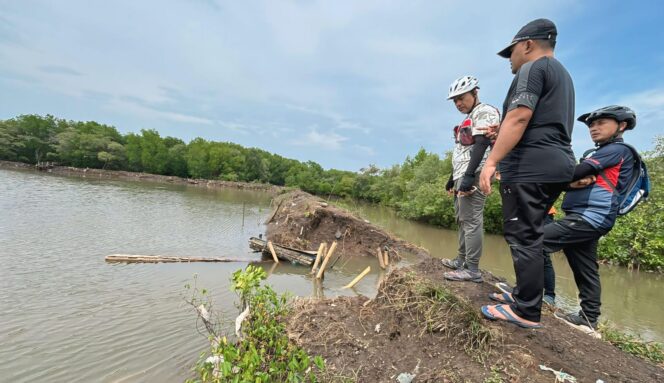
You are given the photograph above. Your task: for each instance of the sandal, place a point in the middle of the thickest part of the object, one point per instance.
(504, 313)
(502, 298)
(504, 287)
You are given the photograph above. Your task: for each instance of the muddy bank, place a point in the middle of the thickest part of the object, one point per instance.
(143, 177)
(303, 221)
(421, 324)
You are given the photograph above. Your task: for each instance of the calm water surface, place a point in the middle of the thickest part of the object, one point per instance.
(66, 315)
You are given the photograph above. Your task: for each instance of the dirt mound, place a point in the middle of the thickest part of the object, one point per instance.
(421, 324)
(302, 221)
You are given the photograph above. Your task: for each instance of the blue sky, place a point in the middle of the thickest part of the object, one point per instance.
(343, 83)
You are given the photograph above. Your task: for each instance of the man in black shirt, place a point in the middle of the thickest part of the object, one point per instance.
(536, 163)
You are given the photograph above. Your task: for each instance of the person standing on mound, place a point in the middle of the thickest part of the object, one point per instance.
(536, 160)
(470, 152)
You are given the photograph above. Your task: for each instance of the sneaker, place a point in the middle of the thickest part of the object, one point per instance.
(580, 320)
(549, 300)
(464, 275)
(455, 264)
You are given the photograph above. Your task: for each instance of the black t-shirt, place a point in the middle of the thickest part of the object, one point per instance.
(544, 153)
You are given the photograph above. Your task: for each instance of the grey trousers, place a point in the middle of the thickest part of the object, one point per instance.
(469, 212)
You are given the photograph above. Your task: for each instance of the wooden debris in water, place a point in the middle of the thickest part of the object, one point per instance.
(274, 254)
(130, 258)
(358, 278)
(319, 254)
(326, 260)
(284, 253)
(381, 259)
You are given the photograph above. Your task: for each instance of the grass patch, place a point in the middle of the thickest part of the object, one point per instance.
(632, 344)
(263, 353)
(439, 310)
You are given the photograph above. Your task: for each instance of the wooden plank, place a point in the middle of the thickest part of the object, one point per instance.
(357, 279)
(381, 260)
(274, 254)
(284, 253)
(326, 260)
(319, 254)
(132, 258)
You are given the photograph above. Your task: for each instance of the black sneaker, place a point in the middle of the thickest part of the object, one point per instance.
(580, 320)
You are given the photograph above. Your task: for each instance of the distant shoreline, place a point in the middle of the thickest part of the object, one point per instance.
(136, 176)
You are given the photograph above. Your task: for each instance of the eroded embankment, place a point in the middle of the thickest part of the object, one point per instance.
(421, 324)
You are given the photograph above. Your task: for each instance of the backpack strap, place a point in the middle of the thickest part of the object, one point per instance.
(635, 173)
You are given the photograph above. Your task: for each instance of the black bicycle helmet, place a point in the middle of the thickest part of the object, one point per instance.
(616, 112)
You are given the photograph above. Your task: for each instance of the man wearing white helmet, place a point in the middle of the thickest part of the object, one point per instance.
(470, 152)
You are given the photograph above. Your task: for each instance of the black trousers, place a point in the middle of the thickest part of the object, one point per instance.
(525, 205)
(578, 240)
(549, 272)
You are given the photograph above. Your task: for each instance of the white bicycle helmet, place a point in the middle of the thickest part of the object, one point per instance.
(462, 85)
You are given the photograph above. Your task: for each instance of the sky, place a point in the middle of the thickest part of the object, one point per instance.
(342, 83)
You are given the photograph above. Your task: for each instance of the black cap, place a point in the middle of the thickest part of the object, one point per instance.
(540, 29)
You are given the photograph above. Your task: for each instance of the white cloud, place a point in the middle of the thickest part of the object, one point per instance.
(124, 106)
(324, 140)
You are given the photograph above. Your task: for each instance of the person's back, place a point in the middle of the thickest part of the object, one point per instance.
(591, 206)
(544, 153)
(598, 203)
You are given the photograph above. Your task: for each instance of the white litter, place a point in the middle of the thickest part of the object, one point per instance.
(561, 377)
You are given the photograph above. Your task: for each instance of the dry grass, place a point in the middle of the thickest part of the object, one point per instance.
(438, 310)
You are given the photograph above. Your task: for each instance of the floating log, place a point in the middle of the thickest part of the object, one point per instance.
(303, 257)
(129, 258)
(357, 279)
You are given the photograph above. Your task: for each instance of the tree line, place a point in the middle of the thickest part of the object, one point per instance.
(416, 187)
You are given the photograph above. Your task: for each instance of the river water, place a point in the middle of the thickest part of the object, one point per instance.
(67, 316)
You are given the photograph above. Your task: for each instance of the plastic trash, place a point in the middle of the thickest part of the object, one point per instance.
(560, 376)
(405, 377)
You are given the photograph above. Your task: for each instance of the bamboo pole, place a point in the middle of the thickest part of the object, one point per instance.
(326, 260)
(381, 261)
(319, 254)
(357, 279)
(274, 254)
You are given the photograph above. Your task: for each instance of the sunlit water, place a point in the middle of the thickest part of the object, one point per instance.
(66, 315)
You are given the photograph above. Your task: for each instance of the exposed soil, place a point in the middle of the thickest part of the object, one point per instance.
(374, 340)
(303, 221)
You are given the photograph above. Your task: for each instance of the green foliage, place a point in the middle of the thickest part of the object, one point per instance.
(633, 344)
(264, 354)
(414, 188)
(637, 239)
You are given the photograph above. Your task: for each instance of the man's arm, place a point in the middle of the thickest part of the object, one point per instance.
(511, 130)
(476, 156)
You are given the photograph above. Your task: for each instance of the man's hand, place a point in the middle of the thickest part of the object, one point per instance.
(450, 186)
(583, 182)
(467, 182)
(492, 132)
(485, 177)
